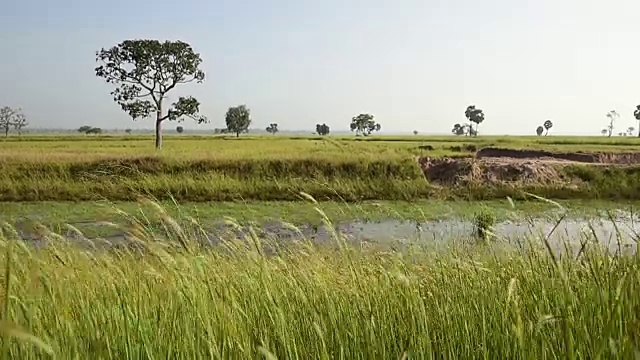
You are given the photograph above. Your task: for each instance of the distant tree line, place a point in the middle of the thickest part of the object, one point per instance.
(613, 116)
(143, 72)
(476, 116)
(86, 129)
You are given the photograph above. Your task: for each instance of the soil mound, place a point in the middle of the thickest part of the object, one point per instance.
(499, 166)
(579, 157)
(470, 171)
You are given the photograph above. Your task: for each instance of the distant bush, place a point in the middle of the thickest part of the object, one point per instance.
(94, 130)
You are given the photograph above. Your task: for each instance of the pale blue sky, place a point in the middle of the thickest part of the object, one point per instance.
(413, 64)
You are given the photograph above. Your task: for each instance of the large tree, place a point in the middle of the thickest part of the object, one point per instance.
(636, 114)
(238, 119)
(144, 71)
(11, 118)
(474, 115)
(364, 124)
(20, 123)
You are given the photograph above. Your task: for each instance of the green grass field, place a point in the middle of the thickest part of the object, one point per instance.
(218, 168)
(236, 301)
(252, 298)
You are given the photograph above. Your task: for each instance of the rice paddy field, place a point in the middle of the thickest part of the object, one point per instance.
(109, 250)
(208, 168)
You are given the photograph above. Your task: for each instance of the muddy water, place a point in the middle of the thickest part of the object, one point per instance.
(620, 233)
(572, 233)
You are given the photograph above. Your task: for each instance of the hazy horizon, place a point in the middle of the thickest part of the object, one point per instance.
(415, 65)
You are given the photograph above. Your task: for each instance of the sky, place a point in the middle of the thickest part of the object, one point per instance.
(413, 64)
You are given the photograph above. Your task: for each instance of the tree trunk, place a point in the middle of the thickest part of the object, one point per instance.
(237, 133)
(159, 128)
(158, 135)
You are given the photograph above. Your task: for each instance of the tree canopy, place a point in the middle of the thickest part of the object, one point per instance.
(547, 125)
(238, 119)
(364, 124)
(322, 129)
(144, 71)
(474, 115)
(463, 129)
(11, 118)
(272, 128)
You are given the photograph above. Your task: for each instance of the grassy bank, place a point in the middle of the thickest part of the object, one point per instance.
(179, 301)
(387, 178)
(273, 168)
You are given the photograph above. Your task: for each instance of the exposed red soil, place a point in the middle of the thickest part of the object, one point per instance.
(495, 165)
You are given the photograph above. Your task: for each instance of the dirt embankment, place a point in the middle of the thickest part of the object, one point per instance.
(579, 157)
(467, 171)
(499, 166)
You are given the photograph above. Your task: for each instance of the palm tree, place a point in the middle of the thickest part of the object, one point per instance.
(474, 116)
(547, 125)
(636, 114)
(612, 115)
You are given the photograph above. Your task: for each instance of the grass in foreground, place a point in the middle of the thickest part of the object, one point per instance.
(177, 300)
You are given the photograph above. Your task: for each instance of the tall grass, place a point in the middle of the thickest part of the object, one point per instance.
(252, 298)
(326, 178)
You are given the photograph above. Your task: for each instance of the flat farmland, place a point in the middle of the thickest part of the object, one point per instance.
(265, 168)
(370, 245)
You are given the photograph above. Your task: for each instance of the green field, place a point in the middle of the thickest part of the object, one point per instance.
(252, 298)
(218, 168)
